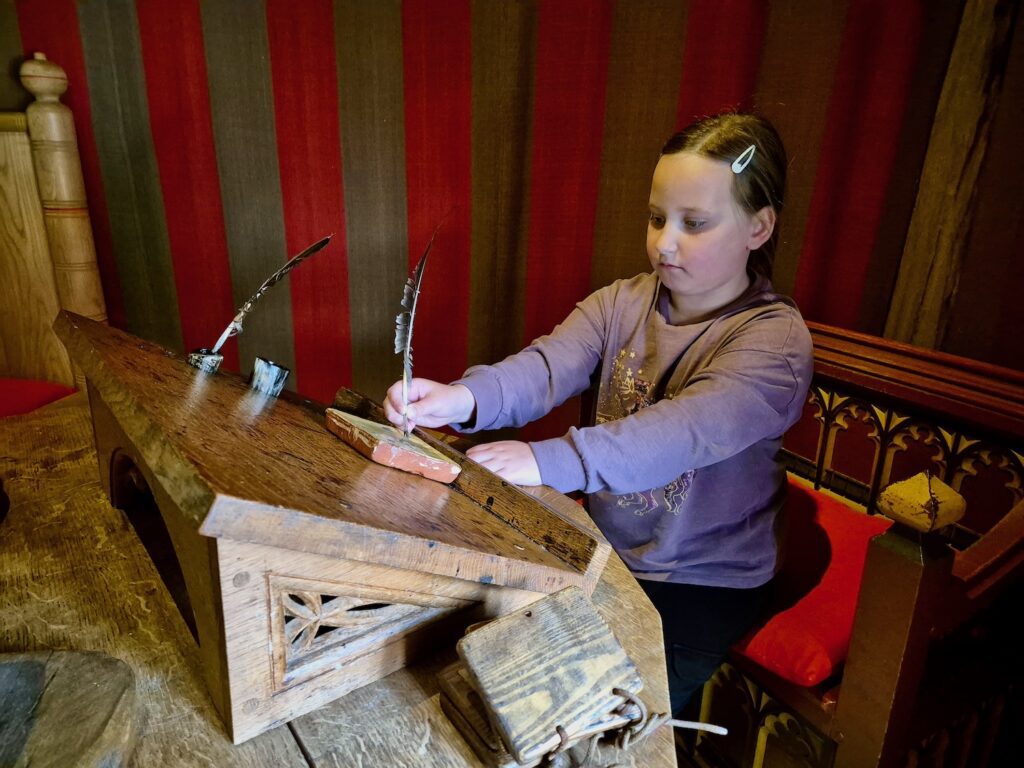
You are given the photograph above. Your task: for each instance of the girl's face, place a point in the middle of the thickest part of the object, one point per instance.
(698, 238)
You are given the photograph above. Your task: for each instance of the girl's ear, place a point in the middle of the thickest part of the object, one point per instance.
(762, 224)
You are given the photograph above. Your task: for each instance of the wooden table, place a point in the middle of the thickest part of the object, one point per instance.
(74, 576)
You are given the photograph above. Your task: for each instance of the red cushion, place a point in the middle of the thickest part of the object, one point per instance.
(808, 641)
(24, 395)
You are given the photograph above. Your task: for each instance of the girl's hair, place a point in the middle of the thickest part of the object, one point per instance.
(762, 182)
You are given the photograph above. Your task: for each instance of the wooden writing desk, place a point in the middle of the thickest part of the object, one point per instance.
(73, 575)
(307, 570)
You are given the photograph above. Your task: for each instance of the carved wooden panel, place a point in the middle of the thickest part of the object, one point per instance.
(316, 625)
(302, 629)
(762, 733)
(783, 741)
(969, 740)
(865, 444)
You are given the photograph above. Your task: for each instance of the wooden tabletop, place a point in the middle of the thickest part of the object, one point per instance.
(73, 576)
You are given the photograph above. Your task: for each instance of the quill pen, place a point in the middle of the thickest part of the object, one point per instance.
(235, 326)
(403, 328)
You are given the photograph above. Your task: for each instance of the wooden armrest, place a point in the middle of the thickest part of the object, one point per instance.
(995, 556)
(937, 382)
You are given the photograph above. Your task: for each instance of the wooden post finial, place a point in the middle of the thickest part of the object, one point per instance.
(61, 188)
(43, 78)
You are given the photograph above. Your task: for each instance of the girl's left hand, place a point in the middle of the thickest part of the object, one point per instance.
(509, 459)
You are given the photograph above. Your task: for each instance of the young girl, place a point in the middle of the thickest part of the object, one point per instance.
(703, 367)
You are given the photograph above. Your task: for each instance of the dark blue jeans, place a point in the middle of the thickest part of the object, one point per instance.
(700, 624)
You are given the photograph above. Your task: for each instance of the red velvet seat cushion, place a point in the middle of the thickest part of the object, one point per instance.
(23, 395)
(808, 640)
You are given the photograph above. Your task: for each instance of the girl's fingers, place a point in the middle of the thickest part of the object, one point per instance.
(431, 404)
(391, 413)
(509, 459)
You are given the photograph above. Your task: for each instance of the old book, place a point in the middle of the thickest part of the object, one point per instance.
(550, 667)
(387, 445)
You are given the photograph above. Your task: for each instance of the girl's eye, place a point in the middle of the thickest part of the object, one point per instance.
(694, 224)
(657, 221)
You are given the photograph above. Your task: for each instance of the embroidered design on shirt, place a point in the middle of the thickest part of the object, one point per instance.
(641, 502)
(677, 490)
(629, 392)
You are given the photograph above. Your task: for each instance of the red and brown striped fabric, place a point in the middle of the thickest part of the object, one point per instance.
(218, 137)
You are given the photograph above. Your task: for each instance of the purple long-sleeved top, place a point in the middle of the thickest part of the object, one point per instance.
(682, 466)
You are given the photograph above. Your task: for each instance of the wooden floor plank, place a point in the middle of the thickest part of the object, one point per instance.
(67, 708)
(74, 576)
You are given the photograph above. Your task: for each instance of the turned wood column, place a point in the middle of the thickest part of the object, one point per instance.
(58, 168)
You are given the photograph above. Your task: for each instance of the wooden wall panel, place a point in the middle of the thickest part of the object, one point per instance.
(957, 146)
(987, 313)
(28, 294)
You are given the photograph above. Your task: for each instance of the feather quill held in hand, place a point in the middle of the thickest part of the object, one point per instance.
(403, 328)
(235, 326)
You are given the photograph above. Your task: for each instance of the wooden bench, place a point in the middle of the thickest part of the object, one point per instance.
(930, 669)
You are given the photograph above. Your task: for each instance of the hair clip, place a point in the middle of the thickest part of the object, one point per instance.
(743, 160)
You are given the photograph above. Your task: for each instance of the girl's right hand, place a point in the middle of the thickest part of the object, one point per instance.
(431, 404)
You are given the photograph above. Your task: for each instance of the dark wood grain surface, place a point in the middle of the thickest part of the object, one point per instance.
(964, 390)
(548, 521)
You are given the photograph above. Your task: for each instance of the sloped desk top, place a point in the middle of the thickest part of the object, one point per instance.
(247, 467)
(309, 571)
(73, 575)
